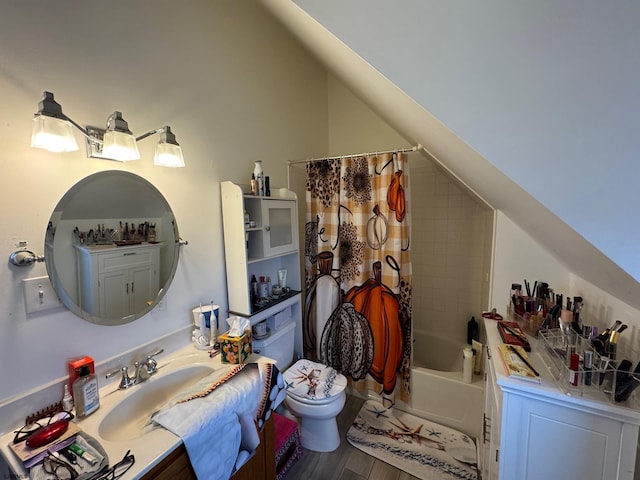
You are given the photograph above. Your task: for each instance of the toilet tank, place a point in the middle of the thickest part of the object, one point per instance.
(278, 345)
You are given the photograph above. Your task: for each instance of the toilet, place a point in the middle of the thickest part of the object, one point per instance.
(315, 396)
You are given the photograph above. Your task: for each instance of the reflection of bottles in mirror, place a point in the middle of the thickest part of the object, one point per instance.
(151, 236)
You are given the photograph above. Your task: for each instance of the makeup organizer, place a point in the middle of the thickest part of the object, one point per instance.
(580, 370)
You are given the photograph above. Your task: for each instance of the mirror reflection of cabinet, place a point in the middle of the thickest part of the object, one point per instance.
(110, 199)
(116, 282)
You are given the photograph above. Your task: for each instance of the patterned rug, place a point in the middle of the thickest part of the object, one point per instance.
(419, 447)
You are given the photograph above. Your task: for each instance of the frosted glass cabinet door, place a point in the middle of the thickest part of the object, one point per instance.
(280, 231)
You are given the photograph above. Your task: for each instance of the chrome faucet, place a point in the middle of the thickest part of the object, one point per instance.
(144, 369)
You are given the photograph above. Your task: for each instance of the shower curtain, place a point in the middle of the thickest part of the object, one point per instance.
(358, 271)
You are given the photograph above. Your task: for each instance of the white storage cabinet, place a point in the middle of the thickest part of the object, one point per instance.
(272, 244)
(536, 431)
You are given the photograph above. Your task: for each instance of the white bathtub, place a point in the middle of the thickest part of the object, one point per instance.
(437, 390)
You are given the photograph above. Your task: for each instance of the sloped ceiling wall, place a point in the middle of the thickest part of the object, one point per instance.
(533, 106)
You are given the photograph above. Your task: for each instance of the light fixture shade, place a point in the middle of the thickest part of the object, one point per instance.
(52, 134)
(168, 155)
(120, 146)
(118, 141)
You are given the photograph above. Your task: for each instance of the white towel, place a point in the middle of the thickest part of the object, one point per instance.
(211, 416)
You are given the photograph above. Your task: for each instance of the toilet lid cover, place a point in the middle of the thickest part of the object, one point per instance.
(313, 380)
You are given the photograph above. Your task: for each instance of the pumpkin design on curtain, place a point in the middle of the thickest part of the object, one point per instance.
(395, 197)
(323, 297)
(347, 342)
(377, 229)
(380, 306)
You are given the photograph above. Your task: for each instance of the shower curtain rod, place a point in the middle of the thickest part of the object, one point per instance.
(399, 150)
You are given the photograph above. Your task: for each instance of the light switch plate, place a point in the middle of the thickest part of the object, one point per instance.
(39, 295)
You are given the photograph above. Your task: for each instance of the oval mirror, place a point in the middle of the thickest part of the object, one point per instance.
(111, 247)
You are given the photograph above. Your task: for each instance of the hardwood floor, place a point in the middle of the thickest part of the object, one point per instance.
(347, 462)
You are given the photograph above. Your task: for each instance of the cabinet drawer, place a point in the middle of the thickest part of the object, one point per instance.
(126, 259)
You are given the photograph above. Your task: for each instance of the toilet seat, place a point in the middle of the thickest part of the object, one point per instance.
(313, 383)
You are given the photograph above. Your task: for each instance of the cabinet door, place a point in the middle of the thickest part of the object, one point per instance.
(279, 219)
(114, 294)
(545, 440)
(143, 287)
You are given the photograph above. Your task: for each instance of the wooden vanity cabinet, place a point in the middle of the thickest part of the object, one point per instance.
(262, 466)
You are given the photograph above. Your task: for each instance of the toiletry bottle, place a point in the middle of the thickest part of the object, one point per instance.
(467, 364)
(67, 399)
(254, 290)
(267, 187)
(257, 171)
(263, 288)
(472, 331)
(254, 184)
(85, 392)
(269, 287)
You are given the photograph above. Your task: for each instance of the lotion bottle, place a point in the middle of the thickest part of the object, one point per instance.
(85, 392)
(257, 172)
(467, 364)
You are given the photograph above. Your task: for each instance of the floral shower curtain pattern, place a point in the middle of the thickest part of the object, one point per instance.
(358, 270)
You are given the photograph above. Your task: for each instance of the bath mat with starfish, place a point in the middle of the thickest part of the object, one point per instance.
(421, 448)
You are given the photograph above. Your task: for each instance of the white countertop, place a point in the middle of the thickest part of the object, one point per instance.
(153, 446)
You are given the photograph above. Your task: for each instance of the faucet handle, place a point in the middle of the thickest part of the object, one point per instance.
(125, 380)
(157, 352)
(151, 363)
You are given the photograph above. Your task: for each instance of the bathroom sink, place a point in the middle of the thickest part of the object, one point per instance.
(129, 418)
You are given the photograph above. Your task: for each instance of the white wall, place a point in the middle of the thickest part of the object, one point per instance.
(232, 83)
(518, 256)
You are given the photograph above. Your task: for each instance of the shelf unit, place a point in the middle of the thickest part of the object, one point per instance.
(272, 244)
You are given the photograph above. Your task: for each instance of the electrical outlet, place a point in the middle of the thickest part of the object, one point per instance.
(39, 295)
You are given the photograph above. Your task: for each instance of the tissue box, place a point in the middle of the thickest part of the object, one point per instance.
(235, 349)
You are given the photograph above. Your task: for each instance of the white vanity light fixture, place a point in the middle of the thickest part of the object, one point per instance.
(51, 130)
(118, 143)
(168, 151)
